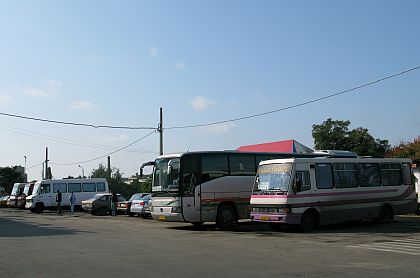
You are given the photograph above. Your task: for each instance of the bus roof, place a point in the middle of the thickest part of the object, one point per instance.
(327, 159)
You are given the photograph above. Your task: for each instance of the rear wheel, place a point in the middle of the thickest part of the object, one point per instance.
(226, 217)
(308, 222)
(130, 214)
(385, 215)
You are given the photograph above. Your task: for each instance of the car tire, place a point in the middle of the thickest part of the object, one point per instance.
(39, 207)
(385, 215)
(102, 211)
(308, 222)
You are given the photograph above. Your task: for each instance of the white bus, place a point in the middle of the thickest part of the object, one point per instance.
(317, 191)
(45, 191)
(213, 186)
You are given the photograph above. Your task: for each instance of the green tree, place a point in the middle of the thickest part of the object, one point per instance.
(335, 135)
(406, 150)
(8, 176)
(331, 135)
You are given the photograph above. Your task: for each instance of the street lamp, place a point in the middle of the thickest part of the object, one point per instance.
(24, 170)
(83, 172)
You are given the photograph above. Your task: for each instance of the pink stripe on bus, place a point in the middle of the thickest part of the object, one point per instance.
(322, 194)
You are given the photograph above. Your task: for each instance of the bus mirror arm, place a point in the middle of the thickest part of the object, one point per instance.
(150, 163)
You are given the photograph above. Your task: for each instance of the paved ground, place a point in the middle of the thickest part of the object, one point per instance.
(48, 245)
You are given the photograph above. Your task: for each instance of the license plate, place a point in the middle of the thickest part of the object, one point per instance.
(265, 217)
(162, 217)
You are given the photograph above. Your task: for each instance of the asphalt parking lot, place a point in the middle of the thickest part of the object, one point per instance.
(82, 245)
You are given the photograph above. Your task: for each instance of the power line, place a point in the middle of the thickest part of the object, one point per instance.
(93, 159)
(64, 140)
(297, 105)
(75, 124)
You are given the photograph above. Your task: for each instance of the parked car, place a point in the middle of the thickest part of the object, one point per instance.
(141, 206)
(124, 207)
(100, 204)
(3, 201)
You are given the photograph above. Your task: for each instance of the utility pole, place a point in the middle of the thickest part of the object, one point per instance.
(46, 162)
(160, 130)
(109, 166)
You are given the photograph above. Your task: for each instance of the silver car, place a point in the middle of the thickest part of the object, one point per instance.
(141, 207)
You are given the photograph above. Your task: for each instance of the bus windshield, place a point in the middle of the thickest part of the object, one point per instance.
(166, 175)
(273, 178)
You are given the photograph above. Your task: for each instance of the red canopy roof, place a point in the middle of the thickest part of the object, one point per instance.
(286, 146)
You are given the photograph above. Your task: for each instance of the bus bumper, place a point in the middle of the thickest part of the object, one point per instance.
(276, 218)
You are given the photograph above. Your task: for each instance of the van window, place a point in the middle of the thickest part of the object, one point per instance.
(391, 174)
(406, 172)
(75, 187)
(88, 187)
(345, 175)
(45, 188)
(369, 174)
(100, 186)
(62, 187)
(323, 174)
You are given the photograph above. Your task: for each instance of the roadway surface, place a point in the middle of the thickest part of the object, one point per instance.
(81, 245)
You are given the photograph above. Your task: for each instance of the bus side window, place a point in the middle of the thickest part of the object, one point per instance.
(302, 181)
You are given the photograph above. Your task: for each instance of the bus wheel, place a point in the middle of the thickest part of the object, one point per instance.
(101, 211)
(39, 207)
(226, 217)
(308, 222)
(385, 214)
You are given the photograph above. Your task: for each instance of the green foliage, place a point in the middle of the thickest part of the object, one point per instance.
(406, 150)
(335, 135)
(8, 176)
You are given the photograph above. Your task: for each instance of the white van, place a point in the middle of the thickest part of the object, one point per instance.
(45, 191)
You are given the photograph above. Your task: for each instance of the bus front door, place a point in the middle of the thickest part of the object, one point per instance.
(191, 206)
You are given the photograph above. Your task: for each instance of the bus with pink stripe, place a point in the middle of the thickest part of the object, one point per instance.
(318, 191)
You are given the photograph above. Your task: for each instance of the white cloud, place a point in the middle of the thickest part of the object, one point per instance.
(201, 103)
(5, 100)
(223, 128)
(153, 52)
(48, 88)
(179, 66)
(83, 105)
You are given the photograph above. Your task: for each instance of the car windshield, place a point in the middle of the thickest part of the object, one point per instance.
(146, 198)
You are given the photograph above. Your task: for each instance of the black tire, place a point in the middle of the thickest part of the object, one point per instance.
(131, 214)
(102, 211)
(144, 215)
(93, 212)
(418, 209)
(308, 222)
(226, 217)
(39, 207)
(385, 215)
(276, 227)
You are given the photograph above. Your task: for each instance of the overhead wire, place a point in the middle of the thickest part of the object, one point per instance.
(75, 124)
(120, 149)
(295, 105)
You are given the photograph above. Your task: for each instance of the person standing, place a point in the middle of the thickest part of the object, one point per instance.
(58, 201)
(114, 201)
(72, 201)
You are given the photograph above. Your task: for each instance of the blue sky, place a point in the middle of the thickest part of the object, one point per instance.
(117, 62)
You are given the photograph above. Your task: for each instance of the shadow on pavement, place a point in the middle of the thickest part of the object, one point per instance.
(13, 228)
(401, 225)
